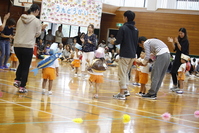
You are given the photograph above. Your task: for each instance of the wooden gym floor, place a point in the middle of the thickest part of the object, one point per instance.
(33, 112)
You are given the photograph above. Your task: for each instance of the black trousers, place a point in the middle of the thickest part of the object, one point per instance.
(24, 56)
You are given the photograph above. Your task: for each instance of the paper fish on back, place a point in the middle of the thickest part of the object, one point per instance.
(46, 62)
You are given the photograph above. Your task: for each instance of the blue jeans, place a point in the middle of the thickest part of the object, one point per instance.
(5, 52)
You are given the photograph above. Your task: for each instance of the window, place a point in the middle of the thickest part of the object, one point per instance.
(66, 30)
(74, 31)
(135, 3)
(188, 4)
(55, 28)
(83, 29)
(49, 25)
(114, 2)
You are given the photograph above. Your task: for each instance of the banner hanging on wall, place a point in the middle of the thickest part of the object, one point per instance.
(72, 12)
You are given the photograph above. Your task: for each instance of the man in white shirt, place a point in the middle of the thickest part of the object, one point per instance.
(2, 25)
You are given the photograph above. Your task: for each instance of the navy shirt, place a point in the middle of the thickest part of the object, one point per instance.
(7, 31)
(87, 47)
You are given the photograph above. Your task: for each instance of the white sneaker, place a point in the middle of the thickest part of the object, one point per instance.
(43, 91)
(50, 93)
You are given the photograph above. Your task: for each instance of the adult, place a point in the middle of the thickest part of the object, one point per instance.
(160, 65)
(59, 35)
(89, 46)
(78, 38)
(180, 45)
(110, 45)
(127, 37)
(2, 25)
(24, 42)
(49, 37)
(6, 36)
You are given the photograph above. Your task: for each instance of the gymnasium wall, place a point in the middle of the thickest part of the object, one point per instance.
(158, 25)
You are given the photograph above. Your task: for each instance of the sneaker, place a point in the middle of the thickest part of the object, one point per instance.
(175, 89)
(5, 67)
(126, 93)
(139, 94)
(179, 92)
(149, 96)
(22, 90)
(43, 91)
(50, 93)
(119, 96)
(17, 83)
(95, 96)
(138, 84)
(1, 67)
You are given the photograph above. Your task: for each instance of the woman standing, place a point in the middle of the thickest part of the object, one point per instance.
(180, 45)
(89, 46)
(27, 29)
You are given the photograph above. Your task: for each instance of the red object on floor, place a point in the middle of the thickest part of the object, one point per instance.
(35, 50)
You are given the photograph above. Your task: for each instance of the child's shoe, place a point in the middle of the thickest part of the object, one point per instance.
(43, 91)
(50, 93)
(95, 96)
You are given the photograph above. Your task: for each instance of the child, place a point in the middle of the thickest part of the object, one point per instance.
(13, 59)
(76, 62)
(47, 49)
(137, 73)
(66, 56)
(181, 73)
(49, 73)
(97, 67)
(143, 75)
(6, 35)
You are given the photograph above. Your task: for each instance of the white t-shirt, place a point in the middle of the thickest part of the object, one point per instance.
(182, 66)
(75, 55)
(55, 63)
(145, 69)
(0, 21)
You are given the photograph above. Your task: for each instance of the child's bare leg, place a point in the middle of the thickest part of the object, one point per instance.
(50, 85)
(144, 88)
(97, 86)
(76, 70)
(14, 64)
(181, 84)
(44, 83)
(71, 66)
(141, 87)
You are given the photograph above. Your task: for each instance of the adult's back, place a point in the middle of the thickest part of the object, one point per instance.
(128, 38)
(27, 29)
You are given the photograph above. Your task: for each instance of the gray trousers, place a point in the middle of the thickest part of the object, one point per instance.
(159, 69)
